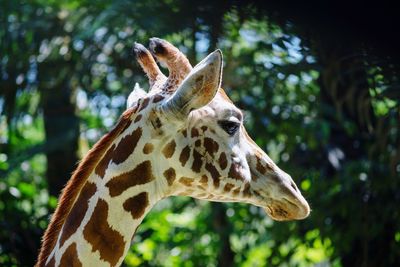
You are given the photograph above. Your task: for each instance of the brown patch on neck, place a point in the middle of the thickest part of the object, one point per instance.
(103, 164)
(137, 205)
(184, 156)
(236, 191)
(156, 122)
(170, 175)
(138, 118)
(108, 242)
(70, 257)
(214, 173)
(184, 132)
(75, 184)
(197, 143)
(247, 190)
(194, 132)
(126, 146)
(169, 149)
(78, 212)
(141, 174)
(228, 187)
(148, 148)
(197, 162)
(157, 98)
(186, 181)
(204, 180)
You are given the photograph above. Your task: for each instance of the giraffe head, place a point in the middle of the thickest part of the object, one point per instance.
(197, 141)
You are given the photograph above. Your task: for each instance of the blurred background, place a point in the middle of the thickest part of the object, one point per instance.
(320, 87)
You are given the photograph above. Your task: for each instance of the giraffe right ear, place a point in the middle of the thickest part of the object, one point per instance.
(198, 88)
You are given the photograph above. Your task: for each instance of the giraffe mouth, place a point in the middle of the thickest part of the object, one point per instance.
(287, 203)
(290, 206)
(286, 210)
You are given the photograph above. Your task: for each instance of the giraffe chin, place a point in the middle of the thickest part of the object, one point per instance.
(287, 211)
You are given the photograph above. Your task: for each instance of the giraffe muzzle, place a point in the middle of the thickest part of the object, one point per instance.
(285, 210)
(281, 199)
(290, 205)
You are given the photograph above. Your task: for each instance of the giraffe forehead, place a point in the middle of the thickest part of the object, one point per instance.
(221, 107)
(216, 110)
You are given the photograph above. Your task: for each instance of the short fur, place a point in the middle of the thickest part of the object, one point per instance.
(75, 184)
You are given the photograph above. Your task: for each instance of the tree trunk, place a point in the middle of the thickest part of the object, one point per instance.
(62, 134)
(222, 226)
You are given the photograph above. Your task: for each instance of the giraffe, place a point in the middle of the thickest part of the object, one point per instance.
(184, 137)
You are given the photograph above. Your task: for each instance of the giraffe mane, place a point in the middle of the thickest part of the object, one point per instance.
(76, 183)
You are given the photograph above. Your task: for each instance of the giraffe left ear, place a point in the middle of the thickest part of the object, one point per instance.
(198, 88)
(137, 93)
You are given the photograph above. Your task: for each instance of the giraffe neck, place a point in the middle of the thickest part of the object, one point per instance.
(105, 231)
(112, 203)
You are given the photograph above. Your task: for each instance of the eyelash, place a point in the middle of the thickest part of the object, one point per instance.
(230, 127)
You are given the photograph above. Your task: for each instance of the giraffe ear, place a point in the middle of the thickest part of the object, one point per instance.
(135, 95)
(198, 88)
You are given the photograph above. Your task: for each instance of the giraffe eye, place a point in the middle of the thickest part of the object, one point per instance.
(230, 127)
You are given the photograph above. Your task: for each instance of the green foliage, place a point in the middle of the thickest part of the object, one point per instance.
(348, 174)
